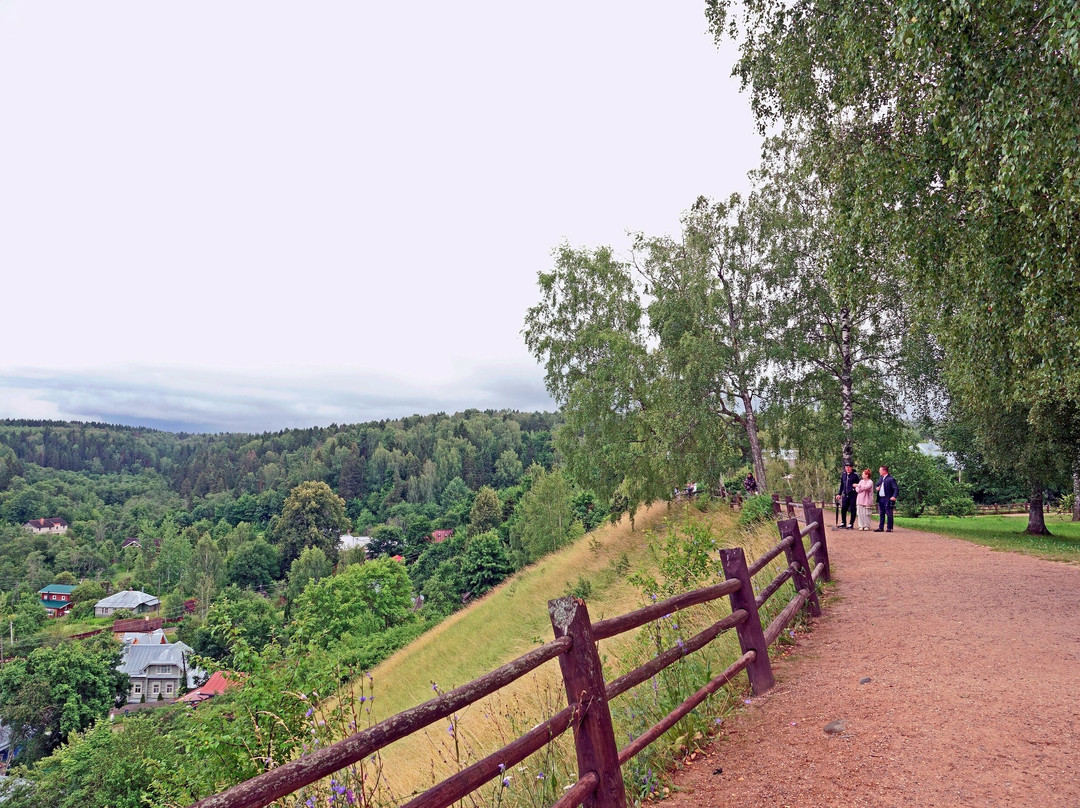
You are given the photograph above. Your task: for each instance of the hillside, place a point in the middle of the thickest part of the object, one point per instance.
(509, 621)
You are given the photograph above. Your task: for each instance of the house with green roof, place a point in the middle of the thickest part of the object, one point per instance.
(56, 598)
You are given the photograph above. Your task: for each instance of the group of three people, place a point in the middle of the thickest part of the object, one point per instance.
(856, 495)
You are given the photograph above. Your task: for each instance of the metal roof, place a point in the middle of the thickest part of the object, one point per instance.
(128, 599)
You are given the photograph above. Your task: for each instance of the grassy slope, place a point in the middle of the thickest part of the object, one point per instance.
(507, 622)
(1007, 533)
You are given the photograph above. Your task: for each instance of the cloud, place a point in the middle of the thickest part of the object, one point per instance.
(182, 399)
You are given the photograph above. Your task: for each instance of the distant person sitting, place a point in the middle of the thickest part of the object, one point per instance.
(750, 484)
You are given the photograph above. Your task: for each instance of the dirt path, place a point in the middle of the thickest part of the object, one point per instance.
(974, 694)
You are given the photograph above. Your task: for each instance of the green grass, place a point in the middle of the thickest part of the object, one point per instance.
(1007, 533)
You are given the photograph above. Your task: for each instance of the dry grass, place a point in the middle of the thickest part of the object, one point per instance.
(507, 622)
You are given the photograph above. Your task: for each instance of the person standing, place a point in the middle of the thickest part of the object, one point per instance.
(750, 484)
(887, 491)
(846, 496)
(864, 490)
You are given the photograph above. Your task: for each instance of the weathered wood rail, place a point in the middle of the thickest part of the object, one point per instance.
(600, 780)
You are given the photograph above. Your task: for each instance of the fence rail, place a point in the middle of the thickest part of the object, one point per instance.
(600, 782)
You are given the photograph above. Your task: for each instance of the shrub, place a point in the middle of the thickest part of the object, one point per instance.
(1065, 504)
(957, 506)
(912, 509)
(582, 589)
(758, 508)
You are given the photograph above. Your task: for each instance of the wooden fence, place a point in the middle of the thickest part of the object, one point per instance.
(599, 760)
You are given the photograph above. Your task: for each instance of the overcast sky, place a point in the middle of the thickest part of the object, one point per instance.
(257, 215)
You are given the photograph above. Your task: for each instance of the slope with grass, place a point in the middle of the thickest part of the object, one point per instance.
(512, 619)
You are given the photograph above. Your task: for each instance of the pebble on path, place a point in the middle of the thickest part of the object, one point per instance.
(835, 727)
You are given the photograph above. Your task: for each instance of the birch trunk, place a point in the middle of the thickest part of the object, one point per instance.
(846, 396)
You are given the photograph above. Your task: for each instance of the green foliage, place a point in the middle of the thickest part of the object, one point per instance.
(237, 623)
(582, 588)
(363, 599)
(755, 509)
(104, 768)
(312, 516)
(253, 565)
(956, 506)
(312, 565)
(486, 513)
(485, 563)
(545, 520)
(53, 692)
(88, 591)
(386, 541)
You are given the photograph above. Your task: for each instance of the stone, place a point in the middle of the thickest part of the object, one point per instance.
(865, 680)
(835, 727)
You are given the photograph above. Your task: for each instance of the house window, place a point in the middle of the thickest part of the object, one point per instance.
(137, 690)
(168, 688)
(157, 688)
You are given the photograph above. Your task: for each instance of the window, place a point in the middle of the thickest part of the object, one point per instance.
(157, 688)
(137, 689)
(168, 688)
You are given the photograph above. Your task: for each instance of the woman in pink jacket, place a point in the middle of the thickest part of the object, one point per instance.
(864, 497)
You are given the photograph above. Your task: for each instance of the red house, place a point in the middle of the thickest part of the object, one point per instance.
(56, 598)
(439, 536)
(218, 682)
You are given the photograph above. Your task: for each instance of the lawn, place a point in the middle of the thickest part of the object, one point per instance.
(1007, 533)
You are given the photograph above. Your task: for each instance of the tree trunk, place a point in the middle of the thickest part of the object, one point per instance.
(1036, 521)
(750, 420)
(1076, 490)
(846, 397)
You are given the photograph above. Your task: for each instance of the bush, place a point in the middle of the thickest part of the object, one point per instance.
(1065, 504)
(911, 509)
(756, 509)
(956, 506)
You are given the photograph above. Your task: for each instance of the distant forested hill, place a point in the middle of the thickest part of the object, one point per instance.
(110, 480)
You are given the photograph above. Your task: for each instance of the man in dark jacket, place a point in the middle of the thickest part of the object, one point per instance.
(846, 496)
(887, 492)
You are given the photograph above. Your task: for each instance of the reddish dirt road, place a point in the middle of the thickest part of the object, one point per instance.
(973, 658)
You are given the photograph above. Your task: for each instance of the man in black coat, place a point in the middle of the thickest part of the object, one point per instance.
(887, 492)
(846, 496)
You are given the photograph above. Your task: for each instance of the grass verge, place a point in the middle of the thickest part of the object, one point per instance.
(1007, 533)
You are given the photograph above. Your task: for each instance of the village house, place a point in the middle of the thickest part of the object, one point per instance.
(56, 598)
(219, 682)
(439, 536)
(131, 599)
(158, 671)
(57, 526)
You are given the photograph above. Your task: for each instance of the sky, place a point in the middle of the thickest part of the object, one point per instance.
(250, 216)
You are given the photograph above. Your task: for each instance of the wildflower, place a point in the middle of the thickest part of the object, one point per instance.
(350, 798)
(309, 712)
(502, 768)
(540, 776)
(675, 626)
(746, 701)
(309, 802)
(303, 697)
(506, 782)
(435, 687)
(363, 699)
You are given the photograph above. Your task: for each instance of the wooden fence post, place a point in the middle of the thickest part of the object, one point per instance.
(796, 554)
(790, 506)
(594, 736)
(776, 504)
(751, 635)
(819, 517)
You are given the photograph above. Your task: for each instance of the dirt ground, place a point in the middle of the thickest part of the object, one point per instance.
(973, 658)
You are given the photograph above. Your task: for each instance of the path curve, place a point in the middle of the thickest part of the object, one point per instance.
(974, 694)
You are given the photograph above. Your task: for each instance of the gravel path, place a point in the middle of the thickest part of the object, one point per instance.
(973, 658)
